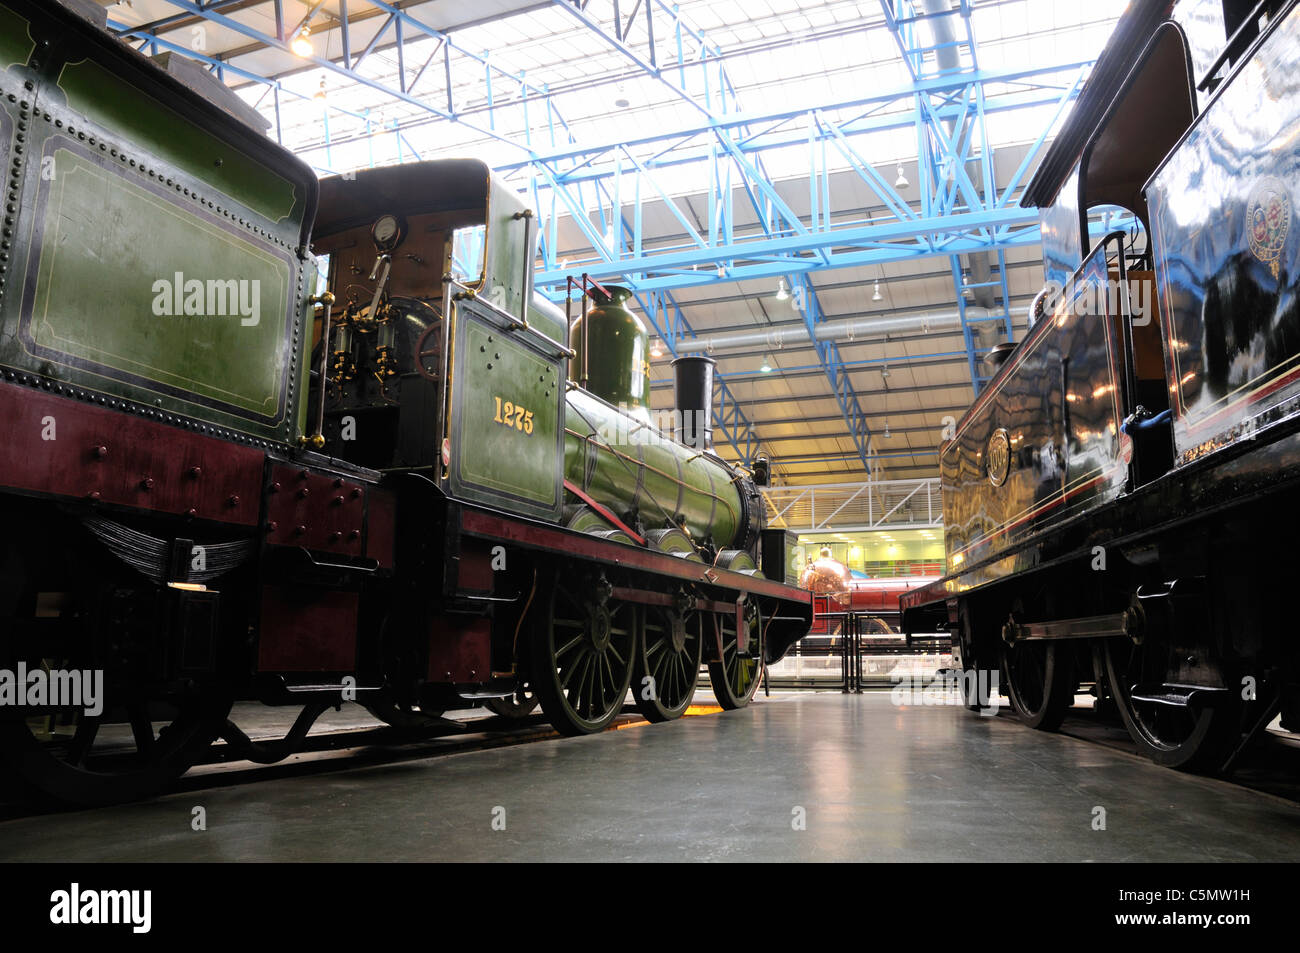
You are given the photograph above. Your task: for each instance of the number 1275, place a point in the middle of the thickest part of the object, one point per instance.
(510, 414)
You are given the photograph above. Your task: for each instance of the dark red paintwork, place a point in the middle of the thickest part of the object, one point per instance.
(460, 649)
(553, 539)
(102, 454)
(318, 511)
(307, 629)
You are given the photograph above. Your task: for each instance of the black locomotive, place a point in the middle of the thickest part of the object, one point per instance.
(1121, 499)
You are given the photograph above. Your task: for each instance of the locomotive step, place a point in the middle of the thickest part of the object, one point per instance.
(1193, 697)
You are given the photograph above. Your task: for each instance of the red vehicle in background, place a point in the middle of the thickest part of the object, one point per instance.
(837, 589)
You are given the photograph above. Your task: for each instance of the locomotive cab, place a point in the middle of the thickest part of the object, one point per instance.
(403, 245)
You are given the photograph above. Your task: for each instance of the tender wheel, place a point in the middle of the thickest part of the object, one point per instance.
(519, 705)
(1192, 738)
(134, 749)
(68, 611)
(1040, 682)
(667, 665)
(735, 678)
(583, 645)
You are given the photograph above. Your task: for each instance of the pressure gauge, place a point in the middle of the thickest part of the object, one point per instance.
(387, 232)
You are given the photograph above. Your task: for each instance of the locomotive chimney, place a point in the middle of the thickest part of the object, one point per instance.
(693, 394)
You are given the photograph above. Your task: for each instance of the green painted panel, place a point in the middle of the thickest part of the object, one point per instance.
(135, 117)
(106, 293)
(16, 44)
(507, 415)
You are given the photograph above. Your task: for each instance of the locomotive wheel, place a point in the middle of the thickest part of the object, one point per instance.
(1183, 738)
(519, 705)
(583, 646)
(735, 678)
(667, 665)
(1040, 682)
(133, 750)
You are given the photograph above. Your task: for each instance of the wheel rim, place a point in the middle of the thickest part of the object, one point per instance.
(149, 730)
(1170, 735)
(585, 647)
(1038, 683)
(735, 677)
(130, 751)
(668, 663)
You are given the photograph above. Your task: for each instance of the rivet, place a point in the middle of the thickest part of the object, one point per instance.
(300, 529)
(303, 493)
(271, 526)
(233, 500)
(146, 483)
(101, 452)
(194, 472)
(93, 494)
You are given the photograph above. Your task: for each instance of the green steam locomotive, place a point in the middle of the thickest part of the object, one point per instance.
(311, 442)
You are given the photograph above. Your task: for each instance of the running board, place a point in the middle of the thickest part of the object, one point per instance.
(1087, 627)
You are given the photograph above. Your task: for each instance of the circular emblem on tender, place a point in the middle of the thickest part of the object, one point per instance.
(1268, 220)
(997, 457)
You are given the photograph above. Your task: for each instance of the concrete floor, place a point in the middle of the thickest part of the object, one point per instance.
(875, 783)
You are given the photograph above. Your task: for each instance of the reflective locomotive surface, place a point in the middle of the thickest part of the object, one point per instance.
(1223, 216)
(1127, 477)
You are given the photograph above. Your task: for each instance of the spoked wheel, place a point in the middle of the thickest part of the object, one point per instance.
(107, 727)
(1171, 724)
(667, 666)
(735, 678)
(519, 705)
(1040, 682)
(583, 645)
(134, 748)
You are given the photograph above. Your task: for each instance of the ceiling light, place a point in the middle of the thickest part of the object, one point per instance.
(722, 271)
(884, 371)
(767, 365)
(876, 295)
(901, 182)
(301, 44)
(886, 434)
(657, 348)
(781, 292)
(620, 100)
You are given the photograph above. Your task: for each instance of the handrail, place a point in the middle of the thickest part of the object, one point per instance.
(465, 293)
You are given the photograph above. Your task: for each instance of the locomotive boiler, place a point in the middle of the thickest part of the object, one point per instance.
(1119, 500)
(310, 442)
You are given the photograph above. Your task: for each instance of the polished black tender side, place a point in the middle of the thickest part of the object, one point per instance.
(1119, 501)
